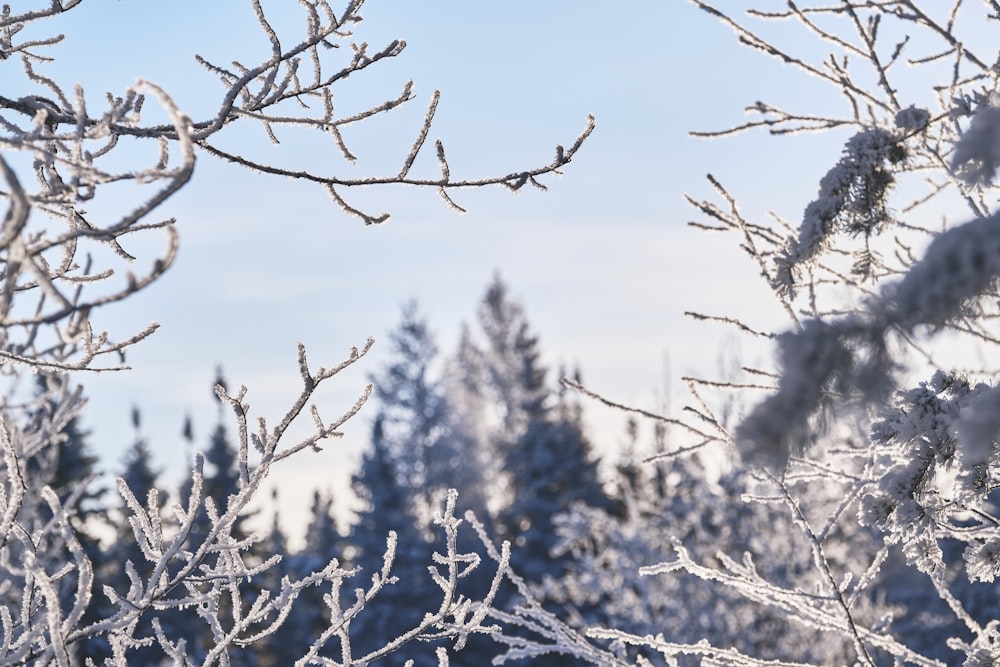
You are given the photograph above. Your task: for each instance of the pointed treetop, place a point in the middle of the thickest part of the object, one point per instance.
(138, 470)
(499, 316)
(188, 430)
(219, 381)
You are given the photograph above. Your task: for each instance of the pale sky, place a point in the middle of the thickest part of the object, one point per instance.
(603, 262)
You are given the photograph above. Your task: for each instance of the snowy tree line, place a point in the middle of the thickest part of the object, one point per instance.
(488, 421)
(855, 520)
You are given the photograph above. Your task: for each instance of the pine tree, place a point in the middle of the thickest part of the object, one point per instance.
(389, 506)
(422, 431)
(141, 477)
(511, 361)
(220, 483)
(323, 539)
(431, 447)
(310, 615)
(492, 387)
(276, 650)
(552, 469)
(69, 467)
(221, 479)
(475, 473)
(536, 440)
(543, 452)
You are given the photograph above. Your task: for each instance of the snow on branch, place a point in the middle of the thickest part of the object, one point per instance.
(977, 153)
(65, 234)
(74, 150)
(209, 578)
(850, 354)
(852, 198)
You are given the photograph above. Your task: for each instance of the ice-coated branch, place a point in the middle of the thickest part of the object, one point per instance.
(852, 198)
(64, 255)
(73, 147)
(56, 332)
(512, 181)
(528, 630)
(855, 34)
(959, 267)
(870, 282)
(819, 612)
(207, 576)
(977, 155)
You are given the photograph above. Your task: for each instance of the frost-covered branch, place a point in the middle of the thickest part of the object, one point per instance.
(79, 179)
(215, 579)
(50, 238)
(893, 489)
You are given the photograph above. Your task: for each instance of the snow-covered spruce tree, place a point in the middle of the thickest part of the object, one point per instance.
(140, 475)
(391, 505)
(540, 463)
(308, 618)
(413, 412)
(70, 468)
(541, 458)
(64, 246)
(423, 446)
(419, 425)
(220, 481)
(400, 574)
(278, 648)
(465, 385)
(545, 458)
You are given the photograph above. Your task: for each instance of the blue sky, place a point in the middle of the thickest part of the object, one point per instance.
(603, 262)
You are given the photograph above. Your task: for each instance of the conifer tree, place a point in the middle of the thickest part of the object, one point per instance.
(551, 468)
(220, 483)
(388, 507)
(124, 555)
(477, 476)
(138, 470)
(323, 539)
(422, 431)
(140, 476)
(543, 451)
(412, 409)
(511, 361)
(70, 468)
(537, 444)
(310, 616)
(277, 650)
(221, 479)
